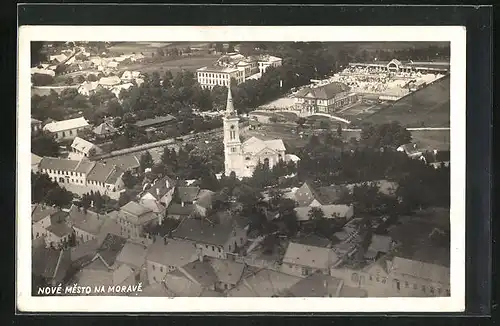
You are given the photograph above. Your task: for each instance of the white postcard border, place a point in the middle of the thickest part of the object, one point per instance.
(454, 34)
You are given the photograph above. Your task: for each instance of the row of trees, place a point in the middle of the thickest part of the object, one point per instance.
(44, 190)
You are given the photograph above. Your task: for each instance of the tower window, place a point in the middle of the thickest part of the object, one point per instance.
(233, 149)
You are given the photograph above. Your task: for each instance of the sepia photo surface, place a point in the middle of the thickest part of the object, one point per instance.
(244, 169)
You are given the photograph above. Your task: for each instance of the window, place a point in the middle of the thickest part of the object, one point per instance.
(220, 250)
(355, 277)
(371, 278)
(153, 266)
(206, 246)
(378, 279)
(154, 278)
(241, 240)
(306, 271)
(213, 248)
(161, 269)
(247, 158)
(229, 247)
(415, 286)
(233, 149)
(406, 284)
(384, 280)
(423, 288)
(431, 289)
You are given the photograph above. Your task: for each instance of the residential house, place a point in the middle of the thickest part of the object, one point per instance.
(398, 277)
(40, 220)
(167, 255)
(88, 88)
(81, 148)
(303, 260)
(50, 265)
(86, 224)
(134, 256)
(190, 202)
(379, 245)
(118, 88)
(266, 61)
(306, 195)
(105, 130)
(133, 218)
(66, 129)
(58, 232)
(217, 241)
(229, 273)
(324, 99)
(129, 76)
(95, 176)
(263, 283)
(339, 212)
(35, 162)
(36, 126)
(105, 269)
(159, 196)
(155, 122)
(192, 279)
(125, 162)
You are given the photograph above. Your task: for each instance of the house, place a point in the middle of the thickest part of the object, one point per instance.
(339, 212)
(379, 245)
(324, 99)
(306, 195)
(58, 232)
(192, 279)
(66, 129)
(104, 130)
(98, 273)
(217, 241)
(81, 148)
(229, 273)
(50, 264)
(413, 150)
(86, 224)
(155, 122)
(109, 82)
(125, 162)
(263, 283)
(129, 76)
(36, 126)
(133, 218)
(40, 220)
(159, 196)
(189, 202)
(35, 162)
(37, 70)
(316, 285)
(118, 88)
(397, 277)
(167, 255)
(59, 58)
(303, 260)
(88, 88)
(95, 176)
(134, 256)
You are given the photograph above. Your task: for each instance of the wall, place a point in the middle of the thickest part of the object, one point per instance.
(157, 271)
(211, 250)
(40, 227)
(83, 236)
(298, 270)
(239, 236)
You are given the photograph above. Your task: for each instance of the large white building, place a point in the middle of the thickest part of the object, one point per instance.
(237, 66)
(66, 129)
(242, 157)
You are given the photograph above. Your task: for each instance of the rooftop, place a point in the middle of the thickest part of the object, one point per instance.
(255, 145)
(311, 256)
(132, 254)
(104, 129)
(202, 272)
(323, 92)
(66, 125)
(60, 229)
(316, 285)
(104, 173)
(84, 146)
(188, 194)
(203, 232)
(60, 164)
(175, 253)
(154, 121)
(421, 270)
(125, 162)
(111, 248)
(41, 211)
(227, 271)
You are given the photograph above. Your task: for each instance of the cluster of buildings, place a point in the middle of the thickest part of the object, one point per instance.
(113, 83)
(237, 66)
(215, 255)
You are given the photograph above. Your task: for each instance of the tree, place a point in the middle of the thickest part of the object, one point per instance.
(316, 213)
(385, 135)
(269, 244)
(41, 79)
(125, 198)
(273, 119)
(59, 197)
(44, 145)
(301, 121)
(146, 161)
(92, 78)
(68, 81)
(323, 124)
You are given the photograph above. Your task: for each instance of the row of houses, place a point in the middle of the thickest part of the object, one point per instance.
(113, 83)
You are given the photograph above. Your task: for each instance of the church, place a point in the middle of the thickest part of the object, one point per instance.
(242, 157)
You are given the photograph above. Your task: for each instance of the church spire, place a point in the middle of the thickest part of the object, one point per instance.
(229, 104)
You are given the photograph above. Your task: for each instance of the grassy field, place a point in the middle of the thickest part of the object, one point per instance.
(429, 107)
(187, 63)
(150, 47)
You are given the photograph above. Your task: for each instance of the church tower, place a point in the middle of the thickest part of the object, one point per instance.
(232, 145)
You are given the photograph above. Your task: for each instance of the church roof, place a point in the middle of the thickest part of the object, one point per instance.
(255, 145)
(229, 103)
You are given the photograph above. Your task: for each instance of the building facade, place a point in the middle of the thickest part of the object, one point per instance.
(209, 77)
(324, 99)
(242, 157)
(66, 129)
(396, 66)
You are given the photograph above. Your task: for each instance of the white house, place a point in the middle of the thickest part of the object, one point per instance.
(303, 260)
(344, 212)
(81, 148)
(66, 129)
(88, 88)
(40, 220)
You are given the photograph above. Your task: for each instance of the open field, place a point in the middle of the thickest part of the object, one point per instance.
(190, 63)
(150, 47)
(428, 107)
(281, 103)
